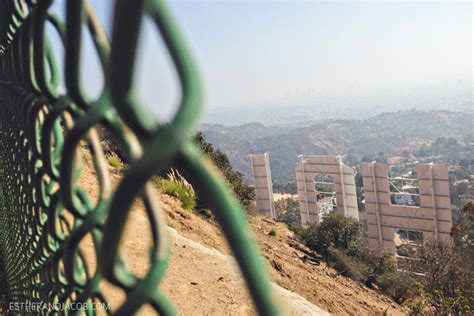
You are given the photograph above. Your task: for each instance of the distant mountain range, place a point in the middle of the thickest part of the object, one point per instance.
(388, 133)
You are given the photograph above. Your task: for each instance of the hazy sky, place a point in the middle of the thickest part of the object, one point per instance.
(249, 52)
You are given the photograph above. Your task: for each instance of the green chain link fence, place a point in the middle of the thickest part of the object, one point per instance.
(41, 131)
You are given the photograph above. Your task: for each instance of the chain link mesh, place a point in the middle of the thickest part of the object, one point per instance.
(45, 213)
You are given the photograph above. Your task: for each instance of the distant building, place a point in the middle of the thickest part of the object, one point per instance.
(326, 206)
(398, 160)
(462, 182)
(402, 199)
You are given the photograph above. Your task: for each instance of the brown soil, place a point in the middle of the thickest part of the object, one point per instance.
(291, 264)
(199, 284)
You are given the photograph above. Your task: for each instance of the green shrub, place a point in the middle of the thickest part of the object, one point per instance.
(288, 211)
(424, 301)
(379, 263)
(114, 161)
(395, 284)
(336, 231)
(349, 266)
(272, 232)
(244, 193)
(419, 300)
(448, 277)
(445, 288)
(176, 185)
(340, 241)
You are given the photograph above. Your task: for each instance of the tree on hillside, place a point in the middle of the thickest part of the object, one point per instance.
(244, 193)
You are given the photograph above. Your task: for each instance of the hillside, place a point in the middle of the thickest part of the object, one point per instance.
(293, 266)
(202, 277)
(390, 133)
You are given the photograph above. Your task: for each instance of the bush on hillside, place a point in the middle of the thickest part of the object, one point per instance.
(337, 232)
(244, 193)
(448, 277)
(288, 211)
(348, 266)
(448, 284)
(395, 284)
(423, 301)
(341, 242)
(444, 288)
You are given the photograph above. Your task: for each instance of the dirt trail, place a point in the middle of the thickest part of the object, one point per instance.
(208, 284)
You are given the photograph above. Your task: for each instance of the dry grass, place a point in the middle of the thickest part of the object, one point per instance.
(177, 186)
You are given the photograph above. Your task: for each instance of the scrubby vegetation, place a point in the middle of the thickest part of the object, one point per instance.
(335, 232)
(114, 160)
(174, 184)
(244, 193)
(341, 242)
(444, 288)
(288, 211)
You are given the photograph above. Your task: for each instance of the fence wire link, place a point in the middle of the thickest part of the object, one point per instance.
(45, 213)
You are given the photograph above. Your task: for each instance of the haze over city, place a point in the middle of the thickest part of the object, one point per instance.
(261, 54)
(312, 58)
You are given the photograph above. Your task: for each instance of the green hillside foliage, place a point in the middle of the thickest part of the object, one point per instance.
(445, 287)
(378, 137)
(244, 193)
(288, 211)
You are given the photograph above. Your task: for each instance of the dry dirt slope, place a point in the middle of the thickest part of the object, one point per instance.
(202, 278)
(291, 265)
